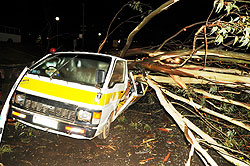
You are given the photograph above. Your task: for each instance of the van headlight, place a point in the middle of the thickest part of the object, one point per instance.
(92, 116)
(20, 99)
(84, 115)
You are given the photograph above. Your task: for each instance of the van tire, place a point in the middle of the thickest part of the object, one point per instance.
(106, 130)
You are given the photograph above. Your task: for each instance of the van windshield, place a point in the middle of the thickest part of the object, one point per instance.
(79, 68)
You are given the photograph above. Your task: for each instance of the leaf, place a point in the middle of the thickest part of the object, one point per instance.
(214, 29)
(120, 127)
(134, 125)
(229, 7)
(245, 42)
(167, 157)
(228, 29)
(219, 39)
(247, 30)
(236, 7)
(148, 140)
(147, 127)
(215, 2)
(233, 30)
(248, 45)
(236, 39)
(241, 39)
(223, 31)
(143, 161)
(236, 19)
(22, 133)
(220, 6)
(243, 19)
(166, 129)
(170, 142)
(213, 89)
(121, 119)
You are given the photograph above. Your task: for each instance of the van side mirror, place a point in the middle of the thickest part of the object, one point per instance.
(100, 77)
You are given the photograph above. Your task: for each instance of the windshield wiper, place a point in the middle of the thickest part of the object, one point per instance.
(35, 65)
(62, 66)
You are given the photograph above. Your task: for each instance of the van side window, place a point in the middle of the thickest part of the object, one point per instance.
(118, 74)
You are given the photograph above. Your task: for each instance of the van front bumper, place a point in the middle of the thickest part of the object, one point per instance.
(53, 125)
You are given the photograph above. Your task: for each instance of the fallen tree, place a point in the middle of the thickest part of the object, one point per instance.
(206, 92)
(204, 103)
(186, 125)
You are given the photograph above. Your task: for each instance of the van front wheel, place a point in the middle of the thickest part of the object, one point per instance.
(106, 129)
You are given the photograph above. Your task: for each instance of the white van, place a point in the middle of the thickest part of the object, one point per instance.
(76, 94)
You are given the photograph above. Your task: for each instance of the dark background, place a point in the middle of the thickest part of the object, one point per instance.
(36, 18)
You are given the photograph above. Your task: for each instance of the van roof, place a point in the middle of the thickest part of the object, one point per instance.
(89, 53)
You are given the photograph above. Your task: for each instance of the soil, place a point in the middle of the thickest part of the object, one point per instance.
(136, 138)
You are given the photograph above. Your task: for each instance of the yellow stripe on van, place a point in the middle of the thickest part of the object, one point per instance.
(66, 92)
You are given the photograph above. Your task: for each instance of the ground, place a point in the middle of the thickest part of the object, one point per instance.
(143, 135)
(136, 138)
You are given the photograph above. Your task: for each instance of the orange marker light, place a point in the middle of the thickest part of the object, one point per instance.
(97, 115)
(18, 114)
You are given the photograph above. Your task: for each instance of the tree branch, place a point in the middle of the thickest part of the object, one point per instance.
(143, 23)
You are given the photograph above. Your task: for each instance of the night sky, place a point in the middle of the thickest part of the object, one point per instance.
(35, 17)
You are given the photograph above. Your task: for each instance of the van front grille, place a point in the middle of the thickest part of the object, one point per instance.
(47, 107)
(49, 110)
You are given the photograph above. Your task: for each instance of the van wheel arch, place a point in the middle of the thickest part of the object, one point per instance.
(106, 129)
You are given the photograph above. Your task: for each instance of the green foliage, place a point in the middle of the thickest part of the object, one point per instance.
(229, 95)
(220, 4)
(183, 92)
(138, 6)
(213, 89)
(135, 125)
(24, 130)
(5, 149)
(121, 119)
(234, 22)
(147, 127)
(19, 125)
(203, 102)
(228, 109)
(151, 98)
(120, 127)
(230, 141)
(161, 163)
(229, 6)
